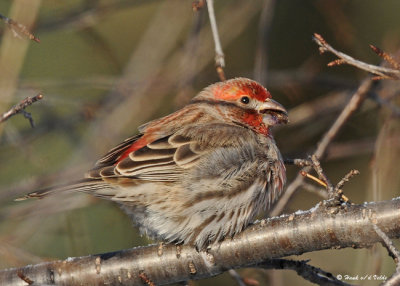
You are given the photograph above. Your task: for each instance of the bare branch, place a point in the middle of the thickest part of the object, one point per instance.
(19, 29)
(381, 72)
(219, 54)
(388, 58)
(355, 101)
(345, 179)
(277, 237)
(317, 167)
(298, 162)
(393, 252)
(20, 108)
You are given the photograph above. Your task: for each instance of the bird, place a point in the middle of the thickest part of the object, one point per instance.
(200, 174)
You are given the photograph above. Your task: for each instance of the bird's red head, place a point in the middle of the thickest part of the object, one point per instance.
(246, 102)
(235, 89)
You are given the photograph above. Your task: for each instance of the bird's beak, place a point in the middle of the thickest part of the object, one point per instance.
(275, 110)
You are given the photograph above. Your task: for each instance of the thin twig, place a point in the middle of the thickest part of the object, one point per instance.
(381, 72)
(385, 103)
(239, 280)
(298, 162)
(18, 29)
(321, 174)
(393, 252)
(308, 272)
(219, 54)
(315, 190)
(345, 179)
(388, 58)
(335, 194)
(315, 179)
(20, 108)
(355, 101)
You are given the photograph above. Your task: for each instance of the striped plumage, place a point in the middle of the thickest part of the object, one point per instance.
(200, 174)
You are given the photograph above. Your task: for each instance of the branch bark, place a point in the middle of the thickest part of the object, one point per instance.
(319, 228)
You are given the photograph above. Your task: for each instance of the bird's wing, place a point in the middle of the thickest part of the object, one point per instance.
(164, 159)
(132, 161)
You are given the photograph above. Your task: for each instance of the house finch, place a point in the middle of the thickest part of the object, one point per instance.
(200, 174)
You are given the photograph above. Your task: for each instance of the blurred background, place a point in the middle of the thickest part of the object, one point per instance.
(105, 67)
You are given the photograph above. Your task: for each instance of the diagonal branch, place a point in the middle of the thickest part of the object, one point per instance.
(277, 237)
(354, 103)
(381, 72)
(393, 252)
(20, 108)
(19, 29)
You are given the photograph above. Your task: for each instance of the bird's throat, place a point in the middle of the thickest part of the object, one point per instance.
(255, 121)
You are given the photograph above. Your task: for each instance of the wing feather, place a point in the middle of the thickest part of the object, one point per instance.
(166, 158)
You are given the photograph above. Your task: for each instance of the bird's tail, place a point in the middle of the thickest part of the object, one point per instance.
(88, 185)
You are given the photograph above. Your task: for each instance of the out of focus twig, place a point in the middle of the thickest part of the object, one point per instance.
(197, 5)
(380, 72)
(236, 276)
(20, 108)
(18, 29)
(386, 103)
(219, 54)
(264, 25)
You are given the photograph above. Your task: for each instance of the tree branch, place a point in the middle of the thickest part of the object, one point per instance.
(18, 29)
(20, 108)
(380, 72)
(219, 54)
(355, 101)
(316, 229)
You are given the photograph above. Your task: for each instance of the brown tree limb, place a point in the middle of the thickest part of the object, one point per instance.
(316, 229)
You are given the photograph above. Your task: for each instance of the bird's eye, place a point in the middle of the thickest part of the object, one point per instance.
(245, 100)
